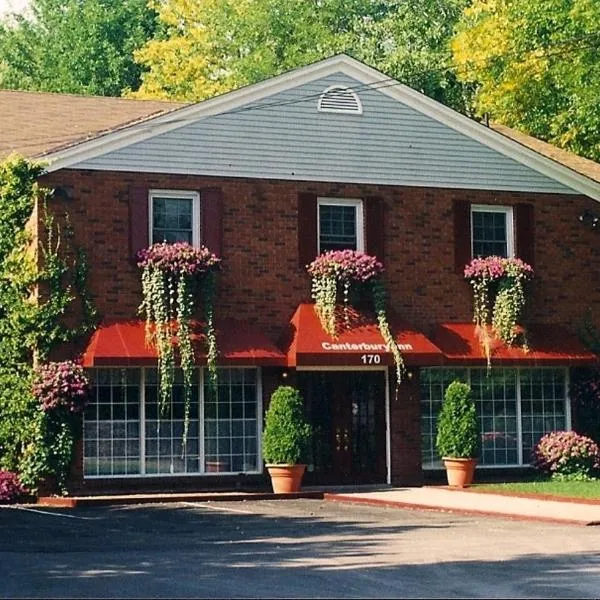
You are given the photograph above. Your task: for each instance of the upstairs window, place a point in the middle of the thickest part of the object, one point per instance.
(174, 216)
(492, 231)
(340, 224)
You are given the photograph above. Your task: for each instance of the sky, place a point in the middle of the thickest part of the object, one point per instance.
(7, 6)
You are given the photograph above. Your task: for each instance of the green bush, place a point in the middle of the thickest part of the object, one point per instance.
(457, 429)
(286, 435)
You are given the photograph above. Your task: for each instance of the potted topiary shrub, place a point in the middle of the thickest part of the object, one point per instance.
(285, 441)
(457, 439)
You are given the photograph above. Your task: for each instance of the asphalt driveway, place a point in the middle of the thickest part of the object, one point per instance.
(289, 549)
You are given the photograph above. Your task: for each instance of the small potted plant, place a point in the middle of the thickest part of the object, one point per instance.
(457, 438)
(286, 438)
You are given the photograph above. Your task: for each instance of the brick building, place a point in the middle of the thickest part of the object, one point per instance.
(332, 155)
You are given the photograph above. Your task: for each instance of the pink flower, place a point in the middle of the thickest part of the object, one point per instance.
(61, 385)
(495, 267)
(178, 258)
(346, 265)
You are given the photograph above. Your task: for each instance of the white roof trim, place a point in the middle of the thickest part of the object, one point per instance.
(115, 140)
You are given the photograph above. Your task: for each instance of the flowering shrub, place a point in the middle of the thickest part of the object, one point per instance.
(10, 487)
(334, 274)
(61, 385)
(567, 455)
(499, 281)
(170, 273)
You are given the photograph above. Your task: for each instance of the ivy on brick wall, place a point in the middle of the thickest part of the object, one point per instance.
(39, 283)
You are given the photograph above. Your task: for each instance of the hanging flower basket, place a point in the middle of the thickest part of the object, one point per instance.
(340, 277)
(172, 274)
(498, 298)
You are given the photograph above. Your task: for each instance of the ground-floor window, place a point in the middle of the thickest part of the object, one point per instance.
(126, 434)
(515, 407)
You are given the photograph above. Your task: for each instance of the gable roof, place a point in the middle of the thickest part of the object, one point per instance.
(130, 122)
(583, 166)
(37, 123)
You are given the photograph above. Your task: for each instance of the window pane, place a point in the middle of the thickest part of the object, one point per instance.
(544, 407)
(172, 219)
(542, 403)
(111, 423)
(490, 235)
(337, 227)
(231, 423)
(164, 449)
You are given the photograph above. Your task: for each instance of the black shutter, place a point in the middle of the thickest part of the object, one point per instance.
(307, 228)
(211, 220)
(138, 220)
(525, 233)
(374, 230)
(462, 235)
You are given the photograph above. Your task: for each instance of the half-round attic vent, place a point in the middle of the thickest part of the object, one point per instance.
(340, 99)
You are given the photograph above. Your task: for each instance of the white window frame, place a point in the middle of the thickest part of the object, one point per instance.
(357, 203)
(202, 419)
(510, 232)
(176, 195)
(426, 422)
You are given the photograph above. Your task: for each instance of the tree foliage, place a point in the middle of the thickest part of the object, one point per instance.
(40, 279)
(535, 66)
(75, 46)
(213, 46)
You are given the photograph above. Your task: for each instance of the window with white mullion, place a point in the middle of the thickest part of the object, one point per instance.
(126, 434)
(165, 451)
(492, 231)
(174, 216)
(519, 420)
(495, 395)
(143, 421)
(231, 422)
(340, 224)
(515, 408)
(111, 432)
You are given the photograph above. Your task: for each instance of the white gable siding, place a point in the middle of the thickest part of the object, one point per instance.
(285, 137)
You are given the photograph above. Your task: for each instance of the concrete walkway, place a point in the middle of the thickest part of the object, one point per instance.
(438, 498)
(479, 503)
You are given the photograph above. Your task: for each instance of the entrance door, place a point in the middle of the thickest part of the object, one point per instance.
(347, 412)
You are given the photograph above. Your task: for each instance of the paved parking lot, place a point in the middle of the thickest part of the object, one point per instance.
(289, 549)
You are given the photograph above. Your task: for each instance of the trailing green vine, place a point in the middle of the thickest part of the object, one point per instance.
(39, 282)
(170, 275)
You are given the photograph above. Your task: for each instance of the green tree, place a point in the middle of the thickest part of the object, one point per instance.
(75, 46)
(535, 67)
(206, 48)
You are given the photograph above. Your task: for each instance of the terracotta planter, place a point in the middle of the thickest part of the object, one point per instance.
(217, 466)
(460, 471)
(286, 479)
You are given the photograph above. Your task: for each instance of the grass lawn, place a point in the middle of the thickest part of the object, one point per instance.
(569, 489)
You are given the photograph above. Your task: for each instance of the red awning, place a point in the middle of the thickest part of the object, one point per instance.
(547, 345)
(124, 344)
(360, 344)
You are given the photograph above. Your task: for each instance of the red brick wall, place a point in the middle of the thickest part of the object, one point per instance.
(405, 431)
(262, 281)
